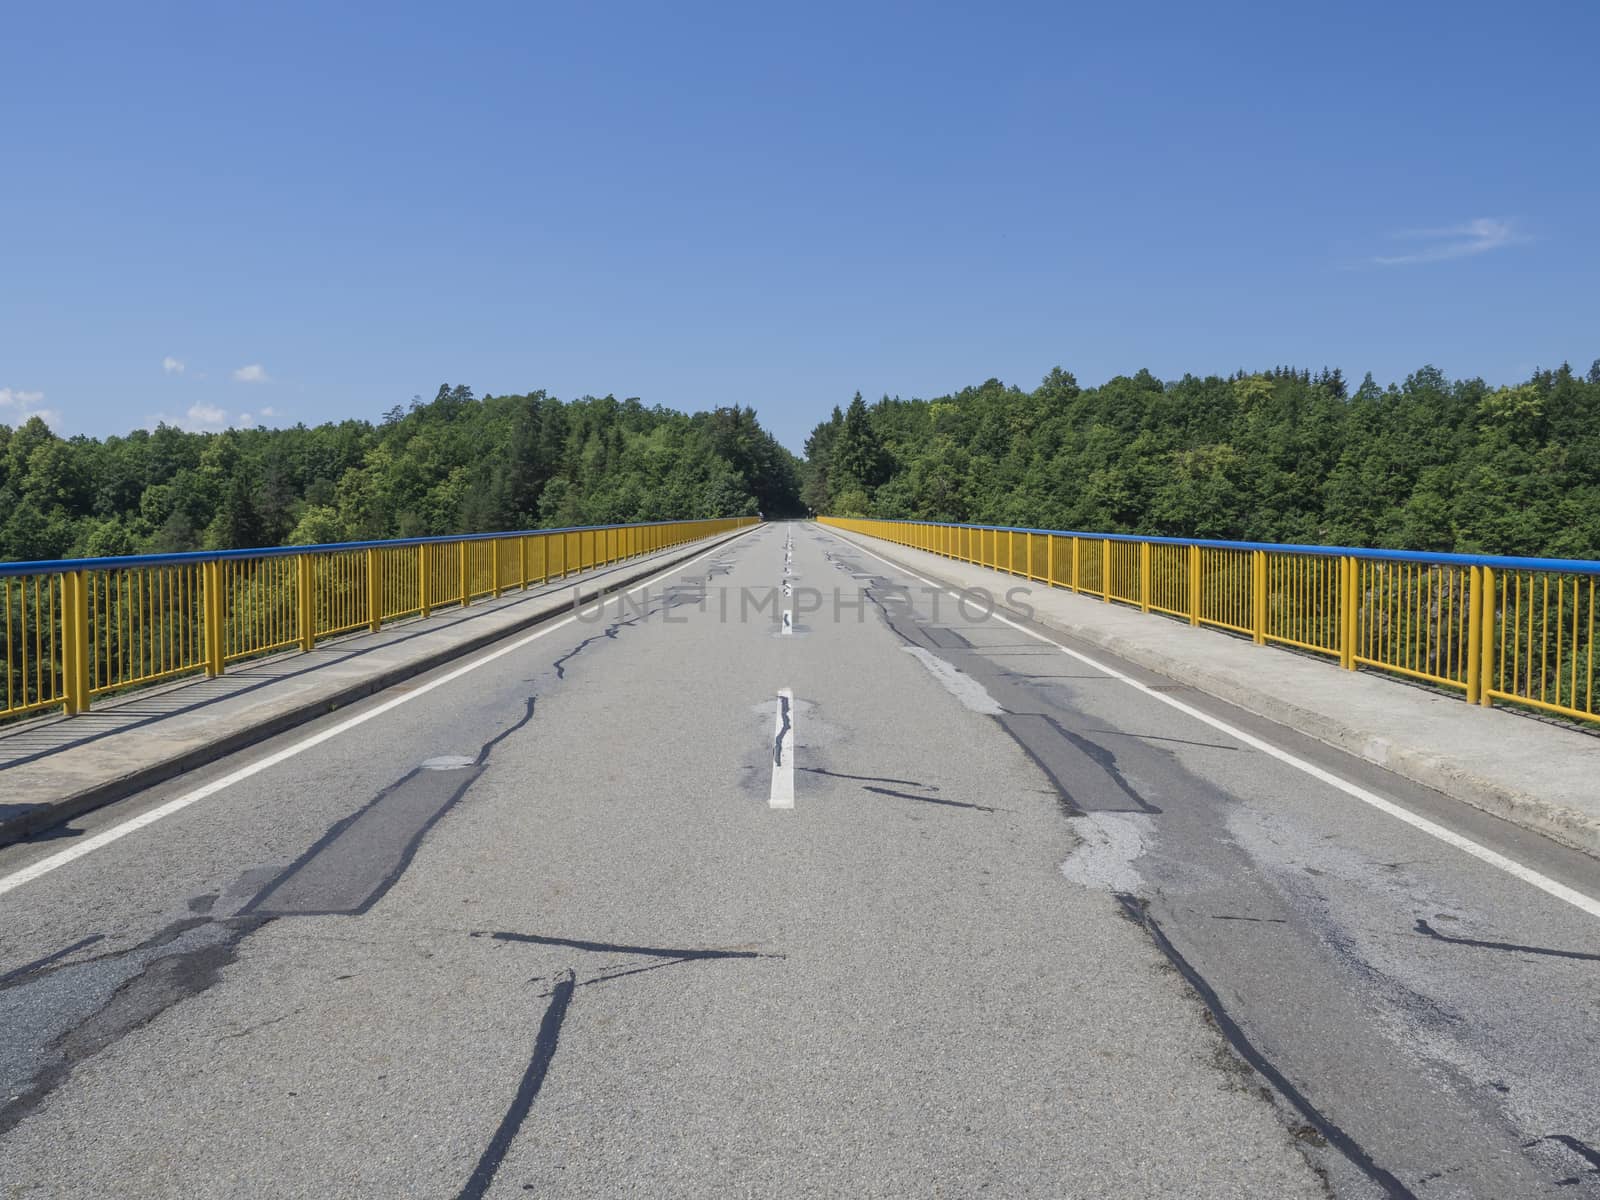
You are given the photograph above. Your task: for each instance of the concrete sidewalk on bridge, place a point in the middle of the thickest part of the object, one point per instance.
(56, 767)
(1535, 773)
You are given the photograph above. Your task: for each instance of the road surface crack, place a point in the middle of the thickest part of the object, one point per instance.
(1137, 910)
(1427, 930)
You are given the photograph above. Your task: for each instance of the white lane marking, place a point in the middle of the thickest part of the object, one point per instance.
(782, 794)
(957, 682)
(788, 620)
(1466, 845)
(117, 832)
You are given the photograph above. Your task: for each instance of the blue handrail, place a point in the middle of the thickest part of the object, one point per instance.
(1572, 566)
(45, 567)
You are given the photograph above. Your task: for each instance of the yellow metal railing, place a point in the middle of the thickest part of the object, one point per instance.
(74, 630)
(1522, 631)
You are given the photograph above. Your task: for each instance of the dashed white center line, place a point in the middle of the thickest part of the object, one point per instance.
(782, 795)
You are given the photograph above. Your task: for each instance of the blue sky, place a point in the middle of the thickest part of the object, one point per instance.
(287, 212)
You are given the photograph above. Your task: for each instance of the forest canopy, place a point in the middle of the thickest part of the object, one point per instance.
(1282, 456)
(451, 465)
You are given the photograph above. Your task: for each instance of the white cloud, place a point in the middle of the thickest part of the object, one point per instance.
(1454, 241)
(16, 406)
(205, 416)
(253, 373)
(12, 398)
(211, 418)
(172, 366)
(268, 411)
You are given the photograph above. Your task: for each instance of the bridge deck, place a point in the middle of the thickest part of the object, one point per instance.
(905, 901)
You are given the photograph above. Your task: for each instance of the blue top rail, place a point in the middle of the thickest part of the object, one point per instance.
(195, 556)
(1572, 566)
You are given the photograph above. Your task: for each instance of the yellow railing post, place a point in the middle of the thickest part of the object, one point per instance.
(212, 603)
(1194, 585)
(463, 559)
(305, 588)
(374, 589)
(494, 565)
(1348, 612)
(1486, 663)
(423, 607)
(1258, 596)
(1144, 576)
(1475, 635)
(1105, 569)
(1050, 560)
(522, 560)
(75, 642)
(1075, 576)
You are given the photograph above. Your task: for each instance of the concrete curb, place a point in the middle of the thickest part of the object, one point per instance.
(1570, 826)
(22, 825)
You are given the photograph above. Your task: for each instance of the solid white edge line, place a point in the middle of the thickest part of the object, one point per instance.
(1494, 858)
(782, 794)
(117, 832)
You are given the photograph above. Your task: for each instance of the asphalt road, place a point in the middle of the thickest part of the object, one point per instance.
(893, 898)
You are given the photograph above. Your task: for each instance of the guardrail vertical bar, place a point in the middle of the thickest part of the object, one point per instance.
(1258, 596)
(1144, 576)
(1349, 612)
(306, 603)
(212, 604)
(463, 559)
(494, 565)
(1194, 585)
(423, 606)
(1475, 635)
(75, 642)
(1075, 575)
(1105, 569)
(374, 589)
(1486, 621)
